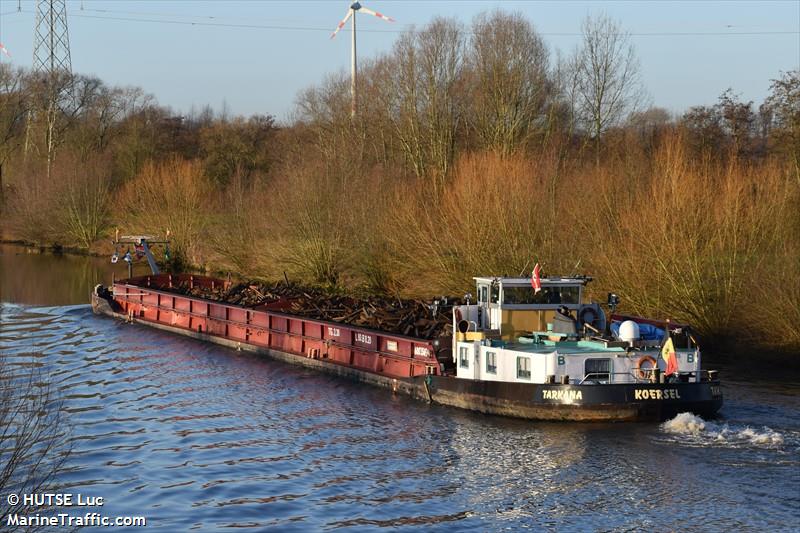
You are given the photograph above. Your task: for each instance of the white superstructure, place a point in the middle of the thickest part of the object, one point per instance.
(516, 334)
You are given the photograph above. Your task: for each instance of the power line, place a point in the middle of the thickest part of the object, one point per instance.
(282, 27)
(326, 29)
(149, 13)
(212, 24)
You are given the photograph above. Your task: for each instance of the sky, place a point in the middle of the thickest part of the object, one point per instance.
(255, 56)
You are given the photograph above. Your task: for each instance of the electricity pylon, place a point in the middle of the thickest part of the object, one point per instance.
(52, 65)
(51, 54)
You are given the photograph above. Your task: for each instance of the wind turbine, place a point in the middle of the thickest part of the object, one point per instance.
(351, 12)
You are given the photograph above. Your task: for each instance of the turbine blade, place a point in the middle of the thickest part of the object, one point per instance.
(379, 15)
(342, 23)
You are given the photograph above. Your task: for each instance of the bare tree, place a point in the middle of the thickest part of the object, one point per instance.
(738, 120)
(59, 100)
(13, 106)
(324, 110)
(84, 210)
(783, 108)
(235, 145)
(101, 117)
(510, 85)
(183, 192)
(33, 444)
(729, 127)
(441, 50)
(649, 125)
(605, 83)
(704, 129)
(422, 97)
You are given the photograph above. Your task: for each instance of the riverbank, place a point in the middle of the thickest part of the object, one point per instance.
(691, 216)
(73, 275)
(56, 249)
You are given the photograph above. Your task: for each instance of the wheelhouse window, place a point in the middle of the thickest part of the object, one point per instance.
(524, 367)
(597, 369)
(463, 357)
(547, 296)
(491, 362)
(483, 294)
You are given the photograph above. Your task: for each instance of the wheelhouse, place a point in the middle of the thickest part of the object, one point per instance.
(514, 333)
(510, 306)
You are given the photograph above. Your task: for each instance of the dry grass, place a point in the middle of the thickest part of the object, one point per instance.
(174, 196)
(710, 241)
(71, 207)
(694, 241)
(30, 205)
(493, 218)
(83, 213)
(714, 244)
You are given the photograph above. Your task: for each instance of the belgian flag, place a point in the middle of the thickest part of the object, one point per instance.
(668, 355)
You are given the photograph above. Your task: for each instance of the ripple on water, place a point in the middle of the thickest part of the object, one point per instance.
(198, 437)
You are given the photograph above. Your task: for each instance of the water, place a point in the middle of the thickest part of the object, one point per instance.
(198, 437)
(30, 277)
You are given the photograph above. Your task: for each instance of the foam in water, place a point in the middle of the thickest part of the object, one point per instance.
(768, 437)
(685, 423)
(689, 424)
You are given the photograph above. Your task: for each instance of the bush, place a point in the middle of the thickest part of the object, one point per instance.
(173, 196)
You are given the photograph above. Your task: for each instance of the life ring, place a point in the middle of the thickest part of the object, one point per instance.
(641, 373)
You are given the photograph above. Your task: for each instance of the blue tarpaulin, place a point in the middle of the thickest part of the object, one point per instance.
(646, 331)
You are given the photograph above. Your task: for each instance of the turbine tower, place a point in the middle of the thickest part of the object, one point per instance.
(351, 13)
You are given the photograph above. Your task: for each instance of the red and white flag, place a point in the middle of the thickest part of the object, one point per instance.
(4, 50)
(536, 281)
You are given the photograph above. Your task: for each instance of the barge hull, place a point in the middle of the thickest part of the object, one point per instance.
(595, 403)
(630, 402)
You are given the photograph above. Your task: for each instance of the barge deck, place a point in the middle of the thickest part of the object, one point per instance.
(402, 364)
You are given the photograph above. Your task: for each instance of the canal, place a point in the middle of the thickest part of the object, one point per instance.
(199, 437)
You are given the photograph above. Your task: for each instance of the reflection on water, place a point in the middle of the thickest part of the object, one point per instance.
(30, 277)
(198, 437)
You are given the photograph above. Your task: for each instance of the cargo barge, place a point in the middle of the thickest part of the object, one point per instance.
(537, 354)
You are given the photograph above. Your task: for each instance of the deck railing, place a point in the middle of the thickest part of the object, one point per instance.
(683, 377)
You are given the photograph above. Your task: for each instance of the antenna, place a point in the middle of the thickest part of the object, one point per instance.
(575, 269)
(351, 12)
(522, 272)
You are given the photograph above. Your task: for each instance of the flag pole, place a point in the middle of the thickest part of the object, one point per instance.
(522, 272)
(664, 341)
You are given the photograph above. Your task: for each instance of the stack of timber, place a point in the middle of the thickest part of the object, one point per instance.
(413, 318)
